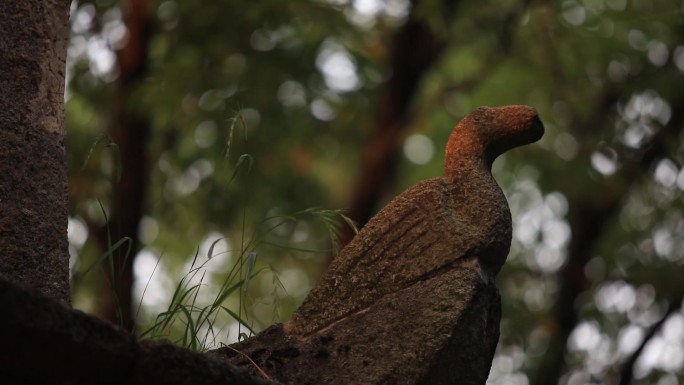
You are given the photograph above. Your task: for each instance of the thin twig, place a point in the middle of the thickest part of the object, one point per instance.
(261, 371)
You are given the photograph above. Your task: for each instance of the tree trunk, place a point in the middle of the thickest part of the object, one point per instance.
(33, 174)
(588, 217)
(414, 49)
(130, 131)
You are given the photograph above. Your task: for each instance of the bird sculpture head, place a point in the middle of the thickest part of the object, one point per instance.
(484, 134)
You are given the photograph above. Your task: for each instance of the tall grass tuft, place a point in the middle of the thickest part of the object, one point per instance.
(197, 320)
(197, 312)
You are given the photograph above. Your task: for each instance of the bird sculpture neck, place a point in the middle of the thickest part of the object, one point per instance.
(474, 144)
(464, 156)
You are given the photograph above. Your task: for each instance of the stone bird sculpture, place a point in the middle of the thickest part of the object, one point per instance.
(461, 218)
(411, 299)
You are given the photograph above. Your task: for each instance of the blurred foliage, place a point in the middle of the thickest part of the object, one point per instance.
(302, 79)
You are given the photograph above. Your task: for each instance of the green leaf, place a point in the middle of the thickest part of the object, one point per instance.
(109, 254)
(251, 261)
(244, 163)
(118, 168)
(210, 253)
(238, 319)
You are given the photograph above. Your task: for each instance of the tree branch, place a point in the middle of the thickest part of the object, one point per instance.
(626, 374)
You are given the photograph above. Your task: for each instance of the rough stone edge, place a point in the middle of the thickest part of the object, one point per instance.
(45, 342)
(464, 342)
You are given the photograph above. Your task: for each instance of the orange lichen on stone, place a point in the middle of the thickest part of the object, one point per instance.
(487, 133)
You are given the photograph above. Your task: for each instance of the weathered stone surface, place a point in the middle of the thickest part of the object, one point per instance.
(33, 174)
(45, 342)
(412, 299)
(410, 336)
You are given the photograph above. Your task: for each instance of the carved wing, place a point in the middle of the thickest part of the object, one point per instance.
(410, 239)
